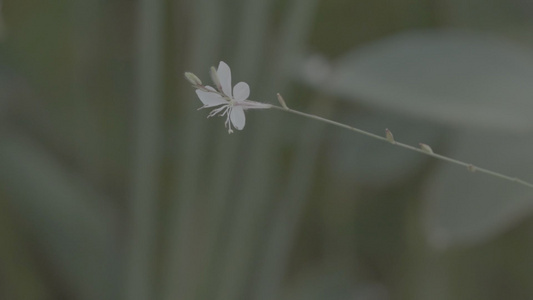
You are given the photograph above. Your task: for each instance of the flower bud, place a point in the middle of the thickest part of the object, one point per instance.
(471, 168)
(193, 79)
(426, 148)
(216, 80)
(389, 136)
(282, 101)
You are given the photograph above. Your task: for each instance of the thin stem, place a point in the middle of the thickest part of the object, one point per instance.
(469, 166)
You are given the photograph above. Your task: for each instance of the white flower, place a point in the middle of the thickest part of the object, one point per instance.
(232, 105)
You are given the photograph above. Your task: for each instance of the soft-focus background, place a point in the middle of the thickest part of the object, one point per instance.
(113, 185)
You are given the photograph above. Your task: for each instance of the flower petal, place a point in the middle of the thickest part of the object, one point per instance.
(224, 75)
(237, 117)
(210, 99)
(241, 91)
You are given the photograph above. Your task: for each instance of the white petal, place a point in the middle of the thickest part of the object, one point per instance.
(210, 99)
(237, 117)
(241, 91)
(224, 75)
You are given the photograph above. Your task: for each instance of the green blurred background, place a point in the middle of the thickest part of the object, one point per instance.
(114, 186)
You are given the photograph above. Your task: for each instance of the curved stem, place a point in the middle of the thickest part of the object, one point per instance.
(469, 166)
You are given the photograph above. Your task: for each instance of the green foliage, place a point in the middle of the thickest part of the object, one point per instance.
(113, 186)
(456, 78)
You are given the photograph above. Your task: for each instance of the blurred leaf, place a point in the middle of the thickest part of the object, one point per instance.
(366, 21)
(455, 78)
(366, 161)
(487, 14)
(70, 221)
(335, 286)
(466, 207)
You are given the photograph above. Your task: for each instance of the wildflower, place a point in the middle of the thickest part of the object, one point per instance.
(231, 104)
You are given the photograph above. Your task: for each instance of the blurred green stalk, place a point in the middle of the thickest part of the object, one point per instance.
(140, 272)
(280, 237)
(258, 174)
(247, 64)
(180, 266)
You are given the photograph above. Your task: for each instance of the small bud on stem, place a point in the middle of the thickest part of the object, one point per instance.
(193, 79)
(282, 101)
(216, 80)
(426, 148)
(389, 136)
